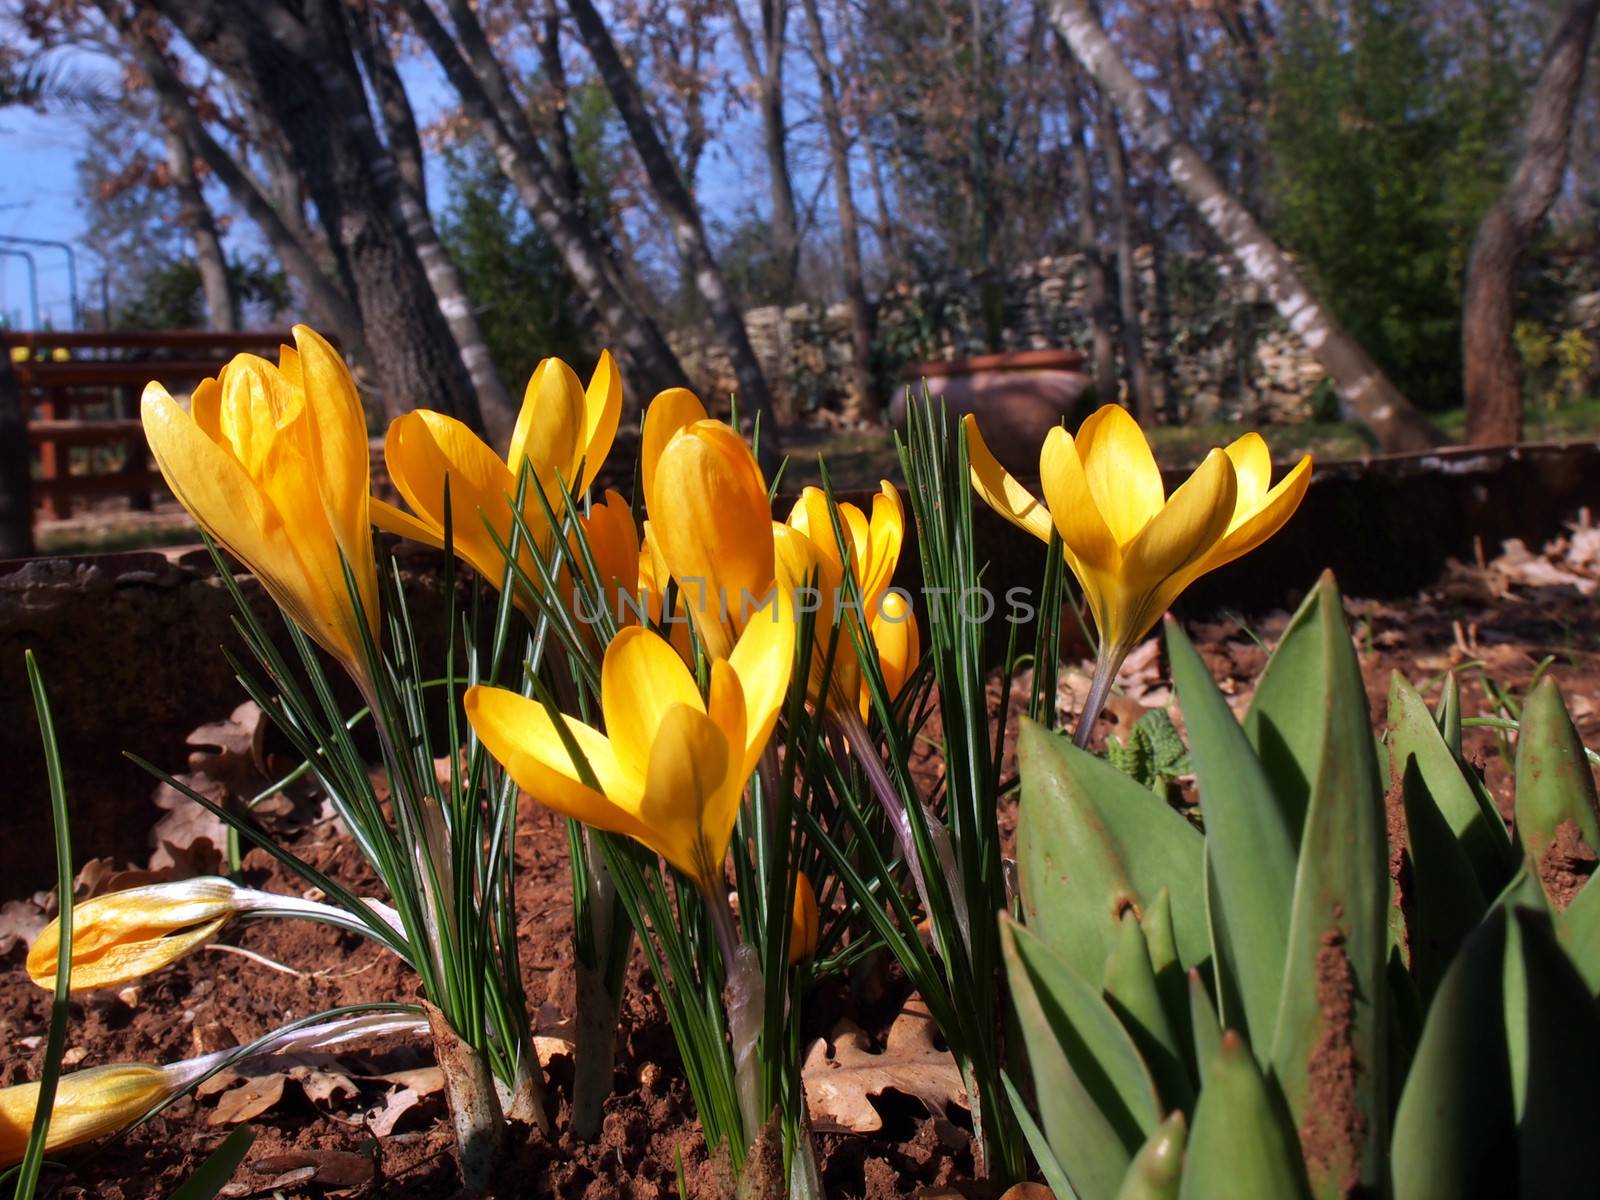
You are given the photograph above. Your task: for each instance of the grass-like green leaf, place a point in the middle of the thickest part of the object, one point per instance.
(211, 1176)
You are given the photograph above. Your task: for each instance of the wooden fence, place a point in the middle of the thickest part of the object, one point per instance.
(81, 392)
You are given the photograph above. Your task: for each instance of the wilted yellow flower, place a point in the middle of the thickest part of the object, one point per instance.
(562, 426)
(1132, 547)
(272, 462)
(671, 765)
(709, 520)
(88, 1104)
(124, 935)
(805, 921)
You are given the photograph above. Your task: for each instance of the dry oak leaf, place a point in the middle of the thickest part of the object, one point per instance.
(840, 1086)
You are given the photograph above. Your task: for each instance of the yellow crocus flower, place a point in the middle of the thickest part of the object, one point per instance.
(271, 461)
(89, 1104)
(562, 429)
(805, 922)
(710, 522)
(894, 633)
(1132, 547)
(671, 765)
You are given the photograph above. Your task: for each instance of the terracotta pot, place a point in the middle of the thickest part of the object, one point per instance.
(1017, 398)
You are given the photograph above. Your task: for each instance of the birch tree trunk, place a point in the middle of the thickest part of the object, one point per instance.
(486, 97)
(301, 65)
(861, 404)
(1366, 391)
(1493, 377)
(766, 70)
(678, 206)
(1130, 323)
(400, 125)
(195, 215)
(1097, 285)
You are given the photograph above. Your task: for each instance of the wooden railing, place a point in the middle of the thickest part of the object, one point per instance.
(81, 392)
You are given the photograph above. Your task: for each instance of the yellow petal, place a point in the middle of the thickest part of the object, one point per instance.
(763, 660)
(519, 733)
(691, 796)
(1250, 529)
(1088, 539)
(550, 428)
(670, 411)
(205, 406)
(726, 706)
(88, 1104)
(641, 678)
(1252, 468)
(602, 404)
(712, 525)
(1121, 471)
(614, 544)
(899, 645)
(257, 409)
(804, 921)
(999, 490)
(885, 536)
(1187, 527)
(402, 524)
(421, 449)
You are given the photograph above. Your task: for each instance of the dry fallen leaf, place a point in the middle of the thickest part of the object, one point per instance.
(839, 1087)
(20, 921)
(382, 1119)
(250, 1099)
(337, 1169)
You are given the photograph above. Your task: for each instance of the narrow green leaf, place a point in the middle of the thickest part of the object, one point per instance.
(1454, 1126)
(1170, 980)
(1443, 897)
(1055, 1176)
(1157, 1169)
(1447, 715)
(1241, 1147)
(211, 1176)
(1285, 731)
(1090, 842)
(1134, 995)
(1555, 785)
(1249, 840)
(1455, 790)
(1097, 1102)
(1328, 1049)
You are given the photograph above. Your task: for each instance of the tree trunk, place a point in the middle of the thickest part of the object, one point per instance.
(486, 97)
(394, 107)
(302, 67)
(768, 77)
(862, 403)
(1097, 283)
(1492, 372)
(679, 208)
(330, 304)
(1361, 384)
(195, 215)
(16, 466)
(1130, 322)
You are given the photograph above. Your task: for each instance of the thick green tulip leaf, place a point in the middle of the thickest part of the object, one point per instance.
(1097, 1102)
(1286, 731)
(1240, 1148)
(1447, 715)
(1329, 1049)
(1091, 842)
(1170, 981)
(1133, 992)
(1454, 1128)
(1203, 1024)
(1157, 1169)
(1554, 783)
(1579, 930)
(1455, 790)
(1250, 845)
(1560, 1060)
(1442, 896)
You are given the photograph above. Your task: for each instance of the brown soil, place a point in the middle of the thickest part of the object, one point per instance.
(213, 998)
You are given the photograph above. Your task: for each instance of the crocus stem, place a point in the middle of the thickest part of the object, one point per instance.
(1106, 667)
(474, 1104)
(599, 997)
(743, 997)
(848, 724)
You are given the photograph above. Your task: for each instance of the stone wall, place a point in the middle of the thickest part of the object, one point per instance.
(1226, 353)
